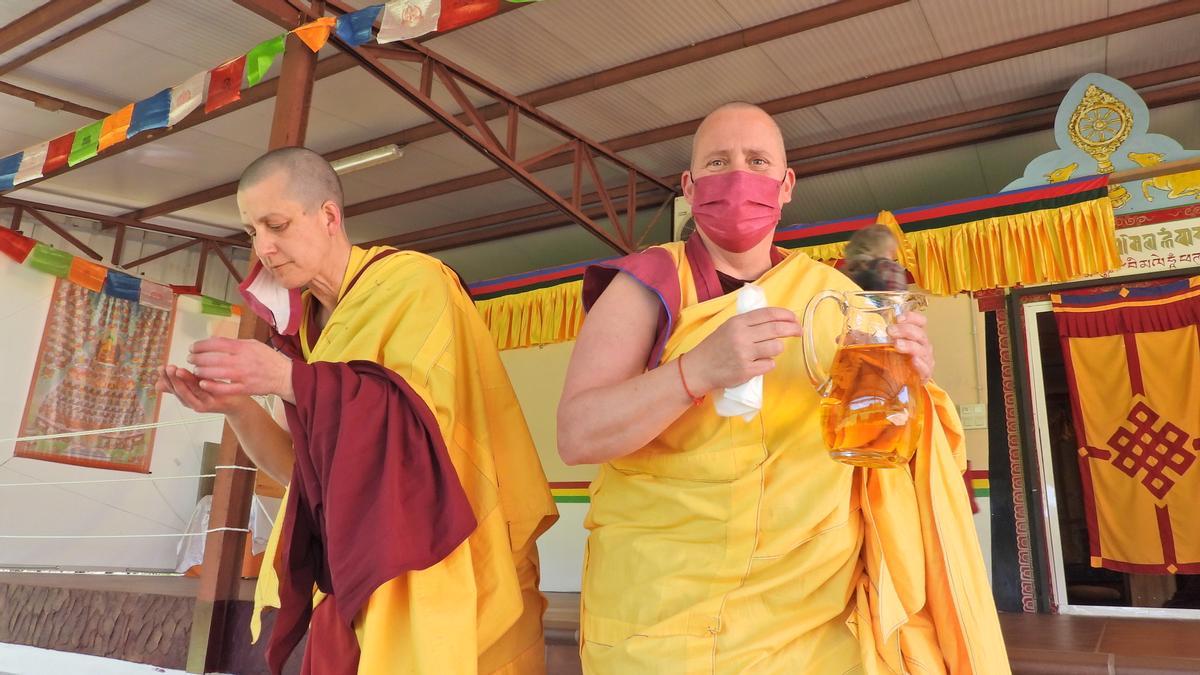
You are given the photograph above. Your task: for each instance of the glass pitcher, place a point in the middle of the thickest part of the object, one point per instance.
(870, 414)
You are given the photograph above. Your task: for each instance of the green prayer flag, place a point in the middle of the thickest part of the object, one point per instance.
(50, 260)
(215, 307)
(86, 143)
(260, 58)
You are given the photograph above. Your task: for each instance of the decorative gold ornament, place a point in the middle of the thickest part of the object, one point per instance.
(1099, 125)
(1119, 195)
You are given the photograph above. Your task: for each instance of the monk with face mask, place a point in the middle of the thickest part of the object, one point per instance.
(731, 544)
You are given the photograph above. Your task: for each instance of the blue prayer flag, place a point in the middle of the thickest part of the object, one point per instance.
(150, 113)
(355, 28)
(8, 170)
(122, 286)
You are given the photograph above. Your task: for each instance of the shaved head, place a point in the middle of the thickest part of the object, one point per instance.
(716, 127)
(309, 178)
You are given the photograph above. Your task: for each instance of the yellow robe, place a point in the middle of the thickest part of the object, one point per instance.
(727, 546)
(479, 609)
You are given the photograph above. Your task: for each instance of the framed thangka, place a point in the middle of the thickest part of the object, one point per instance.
(96, 370)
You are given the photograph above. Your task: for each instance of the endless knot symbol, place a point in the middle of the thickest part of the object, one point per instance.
(1151, 447)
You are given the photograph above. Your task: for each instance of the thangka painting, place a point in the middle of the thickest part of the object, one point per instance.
(96, 370)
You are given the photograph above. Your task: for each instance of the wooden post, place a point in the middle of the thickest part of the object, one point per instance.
(233, 490)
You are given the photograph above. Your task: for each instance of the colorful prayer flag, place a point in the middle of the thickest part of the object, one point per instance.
(315, 34)
(225, 84)
(121, 285)
(57, 152)
(151, 113)
(8, 170)
(458, 13)
(408, 19)
(156, 296)
(115, 127)
(187, 97)
(260, 58)
(87, 274)
(355, 28)
(86, 144)
(32, 160)
(15, 245)
(50, 260)
(214, 306)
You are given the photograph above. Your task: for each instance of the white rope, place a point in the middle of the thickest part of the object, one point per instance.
(114, 430)
(123, 536)
(127, 480)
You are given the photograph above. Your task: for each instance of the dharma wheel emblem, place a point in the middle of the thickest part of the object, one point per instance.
(1099, 125)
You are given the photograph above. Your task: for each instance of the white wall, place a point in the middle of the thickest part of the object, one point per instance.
(123, 508)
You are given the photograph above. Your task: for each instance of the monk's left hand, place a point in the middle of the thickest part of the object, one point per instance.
(233, 367)
(911, 338)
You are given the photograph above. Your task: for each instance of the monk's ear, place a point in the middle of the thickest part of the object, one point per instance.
(785, 188)
(688, 185)
(331, 214)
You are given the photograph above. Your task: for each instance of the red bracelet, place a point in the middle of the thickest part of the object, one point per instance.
(696, 400)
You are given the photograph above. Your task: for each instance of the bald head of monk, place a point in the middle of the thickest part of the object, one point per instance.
(291, 205)
(739, 137)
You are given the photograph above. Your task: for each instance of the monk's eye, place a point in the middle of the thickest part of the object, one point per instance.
(715, 163)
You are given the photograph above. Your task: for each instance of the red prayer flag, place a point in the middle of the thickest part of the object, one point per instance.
(15, 245)
(225, 84)
(457, 13)
(57, 152)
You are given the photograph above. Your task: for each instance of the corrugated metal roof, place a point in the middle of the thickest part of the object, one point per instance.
(1031, 75)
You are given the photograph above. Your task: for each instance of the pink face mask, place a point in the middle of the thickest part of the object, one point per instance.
(736, 209)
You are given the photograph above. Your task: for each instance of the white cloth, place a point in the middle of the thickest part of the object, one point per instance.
(746, 399)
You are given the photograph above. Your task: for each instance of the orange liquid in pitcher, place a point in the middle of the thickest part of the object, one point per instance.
(870, 417)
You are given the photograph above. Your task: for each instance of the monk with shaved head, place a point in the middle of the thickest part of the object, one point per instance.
(726, 540)
(407, 538)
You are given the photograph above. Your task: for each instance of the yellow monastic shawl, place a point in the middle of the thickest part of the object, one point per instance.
(479, 610)
(727, 546)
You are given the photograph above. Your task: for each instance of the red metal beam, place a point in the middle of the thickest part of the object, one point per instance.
(483, 144)
(40, 20)
(62, 232)
(120, 220)
(51, 103)
(233, 272)
(119, 245)
(943, 133)
(1008, 50)
(771, 30)
(162, 254)
(475, 235)
(71, 35)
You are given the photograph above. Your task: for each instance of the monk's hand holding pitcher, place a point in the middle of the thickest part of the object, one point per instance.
(870, 405)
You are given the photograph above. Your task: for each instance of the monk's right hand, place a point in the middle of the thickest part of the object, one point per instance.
(744, 346)
(186, 387)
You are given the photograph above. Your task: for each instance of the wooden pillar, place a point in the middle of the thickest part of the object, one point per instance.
(233, 489)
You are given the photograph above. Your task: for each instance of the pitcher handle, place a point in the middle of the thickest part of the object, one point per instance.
(816, 373)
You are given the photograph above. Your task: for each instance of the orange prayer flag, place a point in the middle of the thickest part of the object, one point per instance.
(316, 33)
(87, 274)
(115, 127)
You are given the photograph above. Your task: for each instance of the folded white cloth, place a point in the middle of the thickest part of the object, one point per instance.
(746, 399)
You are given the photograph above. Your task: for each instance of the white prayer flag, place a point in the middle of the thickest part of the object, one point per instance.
(408, 19)
(31, 164)
(187, 97)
